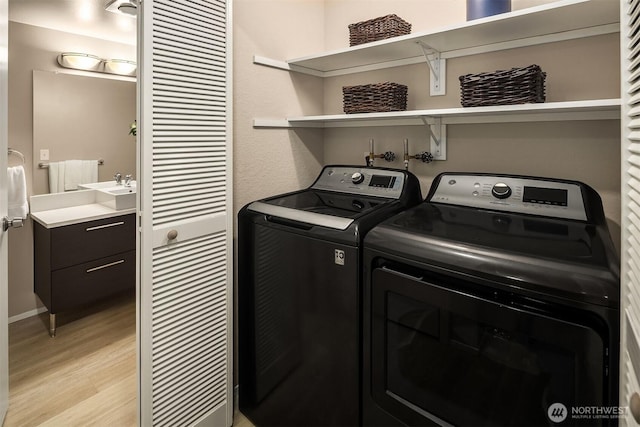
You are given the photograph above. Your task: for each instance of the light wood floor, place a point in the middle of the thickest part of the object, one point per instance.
(85, 376)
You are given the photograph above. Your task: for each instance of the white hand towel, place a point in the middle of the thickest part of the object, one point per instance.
(72, 174)
(89, 171)
(17, 193)
(56, 177)
(53, 177)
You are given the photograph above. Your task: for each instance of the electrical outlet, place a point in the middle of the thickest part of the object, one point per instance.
(44, 154)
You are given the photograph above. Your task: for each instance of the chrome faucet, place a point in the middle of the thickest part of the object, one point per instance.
(127, 181)
(118, 178)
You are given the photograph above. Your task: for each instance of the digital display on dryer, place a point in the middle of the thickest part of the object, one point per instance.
(545, 196)
(382, 181)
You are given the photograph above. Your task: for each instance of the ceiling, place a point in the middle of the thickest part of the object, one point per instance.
(84, 17)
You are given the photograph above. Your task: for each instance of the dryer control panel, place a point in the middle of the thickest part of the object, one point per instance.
(528, 195)
(362, 181)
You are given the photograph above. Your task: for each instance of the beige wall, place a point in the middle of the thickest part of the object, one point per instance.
(33, 48)
(423, 15)
(588, 151)
(583, 150)
(273, 161)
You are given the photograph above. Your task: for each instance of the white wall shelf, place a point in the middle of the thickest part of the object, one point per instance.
(600, 109)
(553, 22)
(561, 20)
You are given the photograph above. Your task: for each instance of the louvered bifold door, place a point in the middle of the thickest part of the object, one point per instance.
(185, 203)
(630, 277)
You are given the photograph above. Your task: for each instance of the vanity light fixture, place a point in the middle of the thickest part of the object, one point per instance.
(123, 7)
(79, 61)
(86, 62)
(120, 66)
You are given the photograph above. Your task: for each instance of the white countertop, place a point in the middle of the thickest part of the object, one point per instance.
(60, 209)
(76, 214)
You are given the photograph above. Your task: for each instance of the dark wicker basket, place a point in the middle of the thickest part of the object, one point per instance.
(377, 29)
(374, 98)
(503, 87)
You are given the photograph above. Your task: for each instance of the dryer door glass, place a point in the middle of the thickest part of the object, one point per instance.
(442, 354)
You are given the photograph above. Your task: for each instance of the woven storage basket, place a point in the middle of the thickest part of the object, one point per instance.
(503, 87)
(377, 29)
(374, 98)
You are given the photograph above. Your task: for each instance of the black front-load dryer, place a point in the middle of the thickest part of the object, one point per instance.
(495, 302)
(299, 286)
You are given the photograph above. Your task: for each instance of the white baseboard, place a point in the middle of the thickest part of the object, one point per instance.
(27, 314)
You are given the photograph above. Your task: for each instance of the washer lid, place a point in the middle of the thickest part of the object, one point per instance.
(323, 208)
(568, 259)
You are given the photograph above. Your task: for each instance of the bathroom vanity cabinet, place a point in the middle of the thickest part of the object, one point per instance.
(83, 262)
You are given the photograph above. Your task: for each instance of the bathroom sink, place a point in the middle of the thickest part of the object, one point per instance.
(106, 185)
(119, 190)
(117, 198)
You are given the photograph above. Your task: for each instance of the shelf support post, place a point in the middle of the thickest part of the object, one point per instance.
(437, 68)
(437, 137)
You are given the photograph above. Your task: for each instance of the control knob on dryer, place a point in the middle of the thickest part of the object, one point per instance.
(501, 190)
(357, 178)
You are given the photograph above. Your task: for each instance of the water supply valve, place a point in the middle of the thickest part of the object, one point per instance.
(424, 157)
(389, 156)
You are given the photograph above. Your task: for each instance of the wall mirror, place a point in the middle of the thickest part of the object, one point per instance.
(79, 117)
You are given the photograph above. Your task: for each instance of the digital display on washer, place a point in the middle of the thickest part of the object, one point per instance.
(545, 196)
(382, 181)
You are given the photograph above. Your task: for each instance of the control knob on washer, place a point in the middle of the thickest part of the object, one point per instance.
(357, 178)
(501, 190)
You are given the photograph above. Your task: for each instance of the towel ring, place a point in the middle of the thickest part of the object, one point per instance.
(17, 153)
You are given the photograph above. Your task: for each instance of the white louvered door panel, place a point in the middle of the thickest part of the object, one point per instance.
(184, 130)
(630, 284)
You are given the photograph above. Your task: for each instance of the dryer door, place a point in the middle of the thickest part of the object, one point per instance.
(442, 355)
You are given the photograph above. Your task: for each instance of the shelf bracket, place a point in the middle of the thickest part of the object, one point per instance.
(437, 137)
(437, 68)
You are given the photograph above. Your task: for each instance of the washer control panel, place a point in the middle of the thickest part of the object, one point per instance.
(362, 181)
(535, 196)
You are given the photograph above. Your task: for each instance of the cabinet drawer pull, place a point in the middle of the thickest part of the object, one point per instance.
(111, 264)
(98, 227)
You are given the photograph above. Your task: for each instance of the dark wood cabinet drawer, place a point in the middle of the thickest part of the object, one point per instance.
(78, 243)
(91, 281)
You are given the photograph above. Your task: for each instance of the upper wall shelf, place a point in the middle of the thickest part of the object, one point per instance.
(600, 109)
(561, 20)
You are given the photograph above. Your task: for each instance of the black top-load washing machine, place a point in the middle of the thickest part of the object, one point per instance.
(494, 302)
(299, 294)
